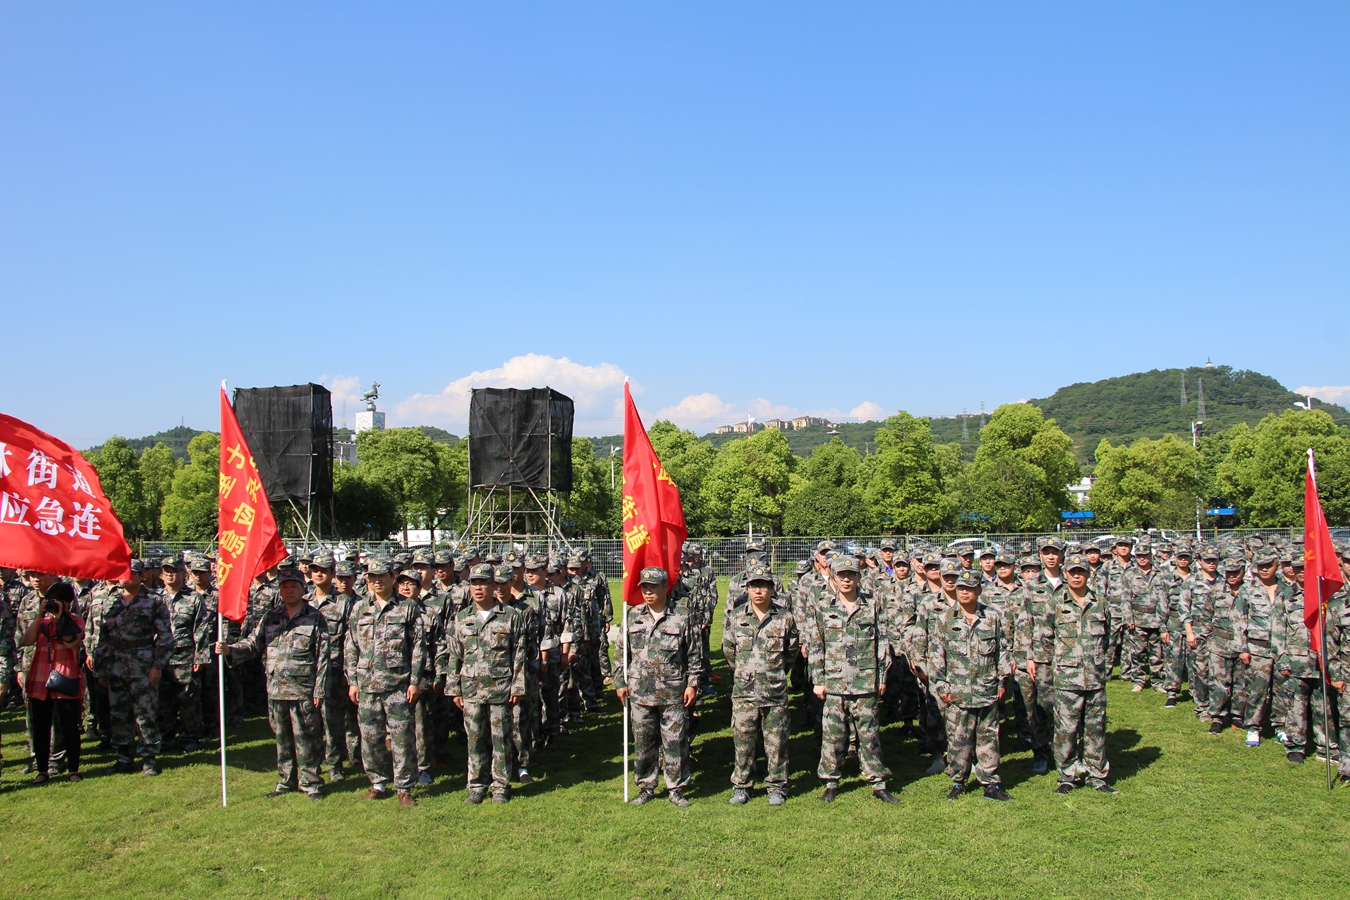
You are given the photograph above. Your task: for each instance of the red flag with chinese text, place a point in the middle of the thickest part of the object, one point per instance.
(1321, 569)
(54, 516)
(653, 517)
(248, 542)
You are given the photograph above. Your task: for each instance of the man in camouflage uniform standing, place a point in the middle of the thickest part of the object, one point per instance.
(657, 679)
(557, 647)
(513, 593)
(1227, 643)
(1146, 597)
(1112, 587)
(1197, 617)
(1338, 659)
(585, 592)
(180, 689)
(292, 640)
(483, 659)
(1257, 603)
(7, 649)
(850, 651)
(385, 657)
(970, 661)
(1301, 669)
(135, 643)
(342, 732)
(1074, 633)
(1172, 635)
(1028, 605)
(760, 648)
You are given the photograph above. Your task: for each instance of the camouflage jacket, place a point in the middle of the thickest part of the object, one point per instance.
(434, 607)
(1289, 637)
(1228, 626)
(1030, 640)
(192, 627)
(1256, 608)
(386, 648)
(930, 607)
(970, 658)
(584, 594)
(662, 654)
(692, 588)
(8, 654)
(1146, 594)
(336, 610)
(260, 600)
(555, 614)
(1074, 638)
(1338, 636)
(295, 652)
(527, 607)
(1113, 585)
(1197, 604)
(849, 652)
(134, 637)
(760, 654)
(484, 660)
(1176, 585)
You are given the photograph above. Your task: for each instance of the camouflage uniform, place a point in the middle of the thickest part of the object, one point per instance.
(385, 654)
(1027, 606)
(1076, 639)
(1197, 610)
(252, 679)
(8, 650)
(760, 654)
(1227, 639)
(661, 657)
(1175, 650)
(97, 604)
(969, 662)
(134, 637)
(1113, 588)
(557, 627)
(180, 687)
(483, 660)
(341, 727)
(527, 714)
(1146, 594)
(850, 652)
(1338, 668)
(1257, 609)
(1292, 644)
(296, 655)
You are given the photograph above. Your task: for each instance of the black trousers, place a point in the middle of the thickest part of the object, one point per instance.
(68, 713)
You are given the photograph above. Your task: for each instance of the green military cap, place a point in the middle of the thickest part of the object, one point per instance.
(653, 575)
(503, 573)
(554, 566)
(1163, 547)
(755, 546)
(932, 558)
(460, 561)
(963, 550)
(344, 567)
(535, 560)
(889, 544)
(287, 562)
(824, 546)
(423, 556)
(899, 561)
(1051, 542)
(1143, 548)
(403, 558)
(170, 562)
(443, 558)
(1029, 561)
(1004, 558)
(199, 563)
(1123, 541)
(1234, 564)
(1091, 548)
(380, 566)
(1077, 561)
(988, 552)
(585, 554)
(843, 563)
(970, 579)
(574, 561)
(493, 558)
(514, 560)
(1297, 561)
(758, 572)
(410, 575)
(1210, 552)
(1267, 556)
(137, 566)
(322, 560)
(1343, 550)
(803, 566)
(949, 566)
(306, 557)
(480, 572)
(289, 574)
(1184, 550)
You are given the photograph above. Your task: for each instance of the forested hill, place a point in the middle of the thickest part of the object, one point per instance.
(1148, 404)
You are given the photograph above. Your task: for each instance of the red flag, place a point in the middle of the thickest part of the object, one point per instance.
(653, 518)
(248, 538)
(1321, 569)
(54, 516)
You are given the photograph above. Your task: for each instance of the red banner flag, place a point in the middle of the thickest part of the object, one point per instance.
(248, 538)
(653, 518)
(54, 516)
(1321, 569)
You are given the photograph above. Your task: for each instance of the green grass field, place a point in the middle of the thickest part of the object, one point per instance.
(1197, 816)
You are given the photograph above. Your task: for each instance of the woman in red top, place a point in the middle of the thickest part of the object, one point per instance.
(58, 636)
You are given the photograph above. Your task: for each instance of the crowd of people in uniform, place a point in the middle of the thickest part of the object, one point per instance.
(370, 666)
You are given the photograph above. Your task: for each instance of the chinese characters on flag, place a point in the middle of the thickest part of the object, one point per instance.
(653, 518)
(54, 516)
(248, 542)
(1321, 568)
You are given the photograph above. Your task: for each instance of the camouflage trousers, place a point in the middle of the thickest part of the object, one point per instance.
(1080, 735)
(1305, 705)
(341, 728)
(933, 724)
(388, 714)
(132, 714)
(298, 725)
(1343, 708)
(1223, 681)
(1174, 661)
(705, 679)
(1115, 647)
(839, 715)
(422, 731)
(489, 726)
(602, 653)
(525, 721)
(659, 733)
(597, 676)
(580, 691)
(1257, 693)
(550, 688)
(1039, 696)
(973, 741)
(751, 724)
(1143, 651)
(97, 720)
(180, 701)
(1197, 668)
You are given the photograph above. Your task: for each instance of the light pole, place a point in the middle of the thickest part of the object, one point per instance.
(612, 450)
(1195, 443)
(750, 517)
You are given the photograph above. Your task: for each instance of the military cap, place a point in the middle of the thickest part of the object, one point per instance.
(503, 573)
(344, 567)
(758, 572)
(554, 566)
(969, 578)
(443, 558)
(1267, 555)
(1029, 561)
(1077, 561)
(932, 558)
(889, 544)
(305, 557)
(410, 575)
(138, 566)
(843, 563)
(379, 566)
(1052, 542)
(963, 550)
(492, 558)
(1184, 550)
(480, 572)
(754, 546)
(824, 546)
(1234, 564)
(653, 575)
(1343, 550)
(949, 566)
(988, 552)
(899, 561)
(1210, 552)
(514, 560)
(423, 556)
(1004, 558)
(1143, 548)
(535, 560)
(802, 567)
(574, 562)
(322, 560)
(170, 562)
(199, 563)
(289, 574)
(1297, 561)
(1091, 548)
(287, 562)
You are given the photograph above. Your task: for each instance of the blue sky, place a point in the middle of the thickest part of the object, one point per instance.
(747, 209)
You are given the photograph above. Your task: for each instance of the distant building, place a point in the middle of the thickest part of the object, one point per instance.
(368, 419)
(1079, 492)
(725, 429)
(344, 452)
(807, 421)
(778, 424)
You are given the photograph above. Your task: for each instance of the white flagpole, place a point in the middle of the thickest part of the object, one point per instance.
(220, 681)
(628, 705)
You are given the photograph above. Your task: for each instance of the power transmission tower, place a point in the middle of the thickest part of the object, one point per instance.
(1200, 394)
(1183, 388)
(965, 427)
(981, 413)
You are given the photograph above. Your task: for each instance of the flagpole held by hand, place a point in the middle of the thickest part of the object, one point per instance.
(220, 681)
(623, 648)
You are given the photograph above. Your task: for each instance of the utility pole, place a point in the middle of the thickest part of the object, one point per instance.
(612, 450)
(750, 515)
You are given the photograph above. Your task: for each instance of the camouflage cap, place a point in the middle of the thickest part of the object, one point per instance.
(535, 560)
(963, 550)
(409, 575)
(306, 557)
(900, 561)
(970, 579)
(1123, 541)
(1029, 561)
(380, 566)
(889, 544)
(1266, 556)
(949, 566)
(932, 558)
(322, 561)
(1051, 542)
(1004, 558)
(171, 562)
(492, 558)
(290, 574)
(988, 552)
(1210, 552)
(199, 563)
(1077, 561)
(803, 566)
(1143, 548)
(824, 546)
(1184, 550)
(287, 562)
(555, 565)
(1297, 561)
(758, 572)
(1091, 548)
(574, 561)
(514, 560)
(1343, 550)
(444, 558)
(423, 557)
(653, 575)
(843, 563)
(137, 566)
(480, 572)
(1234, 564)
(754, 546)
(503, 573)
(344, 568)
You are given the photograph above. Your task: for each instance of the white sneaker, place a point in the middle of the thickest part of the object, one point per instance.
(938, 765)
(1282, 737)
(1253, 738)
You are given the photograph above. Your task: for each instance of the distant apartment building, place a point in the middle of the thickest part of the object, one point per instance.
(796, 424)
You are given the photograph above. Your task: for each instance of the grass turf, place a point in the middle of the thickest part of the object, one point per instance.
(1197, 816)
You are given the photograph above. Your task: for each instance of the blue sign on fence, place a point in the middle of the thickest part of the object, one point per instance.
(1221, 511)
(1078, 514)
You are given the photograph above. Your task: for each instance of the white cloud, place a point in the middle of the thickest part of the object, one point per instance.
(1329, 394)
(867, 410)
(597, 392)
(345, 389)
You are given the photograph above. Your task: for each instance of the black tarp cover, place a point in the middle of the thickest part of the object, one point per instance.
(290, 431)
(509, 438)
